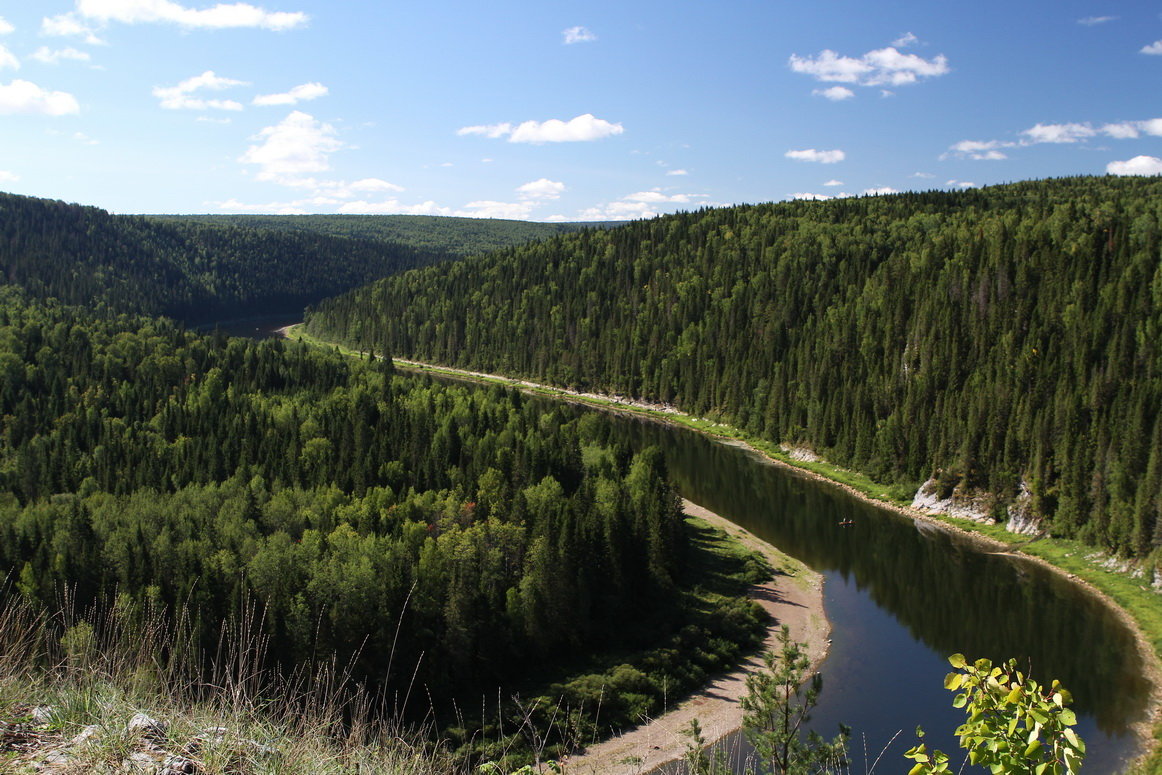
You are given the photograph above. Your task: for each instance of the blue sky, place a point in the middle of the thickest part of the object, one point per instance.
(557, 110)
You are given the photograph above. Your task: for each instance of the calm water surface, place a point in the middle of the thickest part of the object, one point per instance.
(901, 597)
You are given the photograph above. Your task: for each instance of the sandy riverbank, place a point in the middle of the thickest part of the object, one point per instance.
(794, 598)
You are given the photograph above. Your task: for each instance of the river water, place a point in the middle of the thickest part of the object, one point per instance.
(901, 597)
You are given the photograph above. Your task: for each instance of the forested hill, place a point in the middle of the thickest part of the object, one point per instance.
(456, 236)
(192, 271)
(994, 339)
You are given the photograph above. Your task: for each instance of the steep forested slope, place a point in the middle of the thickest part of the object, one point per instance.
(193, 271)
(441, 537)
(455, 236)
(994, 339)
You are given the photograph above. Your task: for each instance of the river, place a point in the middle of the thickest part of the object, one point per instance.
(902, 596)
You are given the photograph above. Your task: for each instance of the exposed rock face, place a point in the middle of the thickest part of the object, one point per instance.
(1022, 519)
(802, 454)
(927, 498)
(978, 507)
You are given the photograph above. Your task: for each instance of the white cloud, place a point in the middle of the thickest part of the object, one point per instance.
(1059, 133)
(1091, 21)
(833, 182)
(53, 56)
(8, 59)
(8, 177)
(884, 66)
(835, 93)
(68, 25)
(921, 175)
(676, 173)
(1154, 48)
(220, 16)
(657, 197)
(542, 188)
(179, 97)
(642, 204)
(906, 39)
(25, 97)
(583, 128)
(491, 131)
(823, 157)
(300, 93)
(5, 26)
(577, 35)
(513, 211)
(879, 191)
(811, 197)
(960, 183)
(296, 146)
(980, 150)
(1139, 165)
(1126, 130)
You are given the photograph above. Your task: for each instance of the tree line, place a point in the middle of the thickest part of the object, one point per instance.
(997, 340)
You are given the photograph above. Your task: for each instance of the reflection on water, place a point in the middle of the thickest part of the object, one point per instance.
(902, 596)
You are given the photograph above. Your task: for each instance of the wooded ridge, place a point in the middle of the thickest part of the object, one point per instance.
(989, 340)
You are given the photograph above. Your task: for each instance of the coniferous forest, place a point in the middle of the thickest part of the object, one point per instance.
(189, 270)
(994, 340)
(441, 538)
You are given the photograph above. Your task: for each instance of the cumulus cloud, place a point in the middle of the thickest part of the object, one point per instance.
(8, 177)
(296, 146)
(980, 150)
(26, 97)
(641, 204)
(833, 182)
(674, 173)
(69, 25)
(1154, 48)
(541, 189)
(1058, 133)
(882, 190)
(823, 157)
(835, 93)
(1091, 21)
(1068, 133)
(8, 59)
(219, 16)
(5, 26)
(906, 39)
(960, 183)
(301, 93)
(1139, 165)
(881, 67)
(577, 35)
(809, 197)
(583, 128)
(180, 97)
(54, 56)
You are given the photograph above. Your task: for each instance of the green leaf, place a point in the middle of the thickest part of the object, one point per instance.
(1032, 749)
(958, 661)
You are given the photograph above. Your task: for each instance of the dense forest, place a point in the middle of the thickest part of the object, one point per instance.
(998, 340)
(436, 233)
(188, 270)
(442, 537)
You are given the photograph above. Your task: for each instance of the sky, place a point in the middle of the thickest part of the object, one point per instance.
(564, 111)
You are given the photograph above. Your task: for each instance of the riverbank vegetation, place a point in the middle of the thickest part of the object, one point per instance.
(443, 543)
